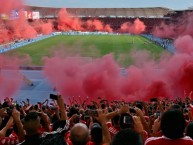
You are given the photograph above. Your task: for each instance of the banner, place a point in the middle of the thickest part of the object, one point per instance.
(35, 15)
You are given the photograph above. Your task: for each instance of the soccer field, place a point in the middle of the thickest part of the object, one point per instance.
(88, 46)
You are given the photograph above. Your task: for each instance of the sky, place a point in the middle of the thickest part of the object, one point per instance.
(172, 4)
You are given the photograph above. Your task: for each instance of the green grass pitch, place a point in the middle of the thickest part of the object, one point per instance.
(89, 46)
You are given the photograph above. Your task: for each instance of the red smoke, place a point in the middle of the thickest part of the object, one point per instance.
(67, 22)
(137, 27)
(108, 28)
(7, 5)
(5, 8)
(42, 27)
(4, 35)
(84, 79)
(165, 31)
(46, 28)
(184, 44)
(102, 78)
(158, 89)
(19, 28)
(180, 27)
(169, 77)
(10, 77)
(94, 25)
(186, 78)
(97, 25)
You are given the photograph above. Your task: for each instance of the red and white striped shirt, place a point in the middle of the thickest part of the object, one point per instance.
(113, 131)
(166, 141)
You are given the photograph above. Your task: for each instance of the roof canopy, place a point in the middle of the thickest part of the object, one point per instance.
(105, 12)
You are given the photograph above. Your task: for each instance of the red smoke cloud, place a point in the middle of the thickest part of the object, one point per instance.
(95, 25)
(103, 78)
(136, 28)
(108, 28)
(158, 89)
(45, 28)
(169, 77)
(7, 5)
(4, 35)
(66, 22)
(186, 79)
(184, 44)
(10, 77)
(165, 31)
(19, 28)
(180, 27)
(83, 79)
(42, 27)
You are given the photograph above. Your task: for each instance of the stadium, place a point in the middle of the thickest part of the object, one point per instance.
(89, 33)
(122, 41)
(105, 75)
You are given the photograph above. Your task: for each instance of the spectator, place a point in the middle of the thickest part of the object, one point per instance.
(189, 130)
(79, 134)
(127, 122)
(127, 137)
(172, 127)
(13, 139)
(96, 134)
(32, 124)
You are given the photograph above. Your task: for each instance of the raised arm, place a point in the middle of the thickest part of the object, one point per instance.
(124, 109)
(106, 135)
(16, 118)
(7, 126)
(143, 121)
(60, 103)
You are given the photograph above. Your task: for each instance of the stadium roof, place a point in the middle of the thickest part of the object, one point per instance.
(105, 12)
(171, 4)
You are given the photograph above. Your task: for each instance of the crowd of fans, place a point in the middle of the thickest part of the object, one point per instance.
(101, 122)
(116, 22)
(167, 44)
(22, 42)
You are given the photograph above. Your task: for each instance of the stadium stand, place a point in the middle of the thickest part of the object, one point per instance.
(101, 122)
(165, 43)
(10, 46)
(115, 17)
(104, 12)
